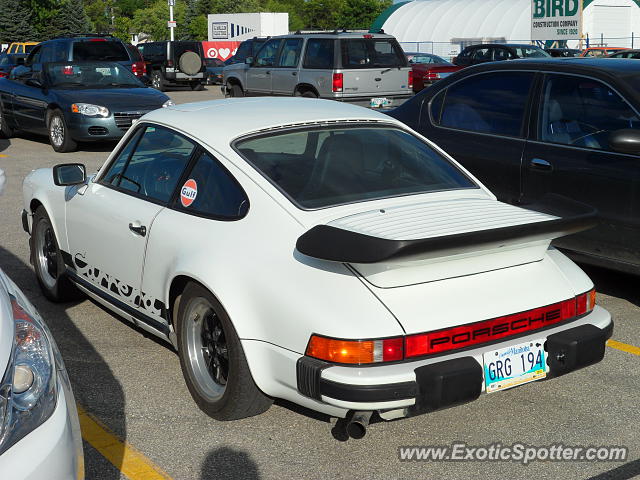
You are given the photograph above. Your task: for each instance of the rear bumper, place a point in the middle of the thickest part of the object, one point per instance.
(428, 385)
(183, 78)
(396, 100)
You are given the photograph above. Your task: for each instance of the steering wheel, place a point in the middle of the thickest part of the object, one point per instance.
(161, 175)
(595, 131)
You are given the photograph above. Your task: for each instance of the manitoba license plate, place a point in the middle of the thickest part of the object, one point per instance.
(380, 102)
(514, 365)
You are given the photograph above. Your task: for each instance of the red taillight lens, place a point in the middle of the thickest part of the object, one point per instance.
(3, 74)
(338, 82)
(138, 68)
(169, 63)
(68, 70)
(450, 339)
(585, 302)
(97, 40)
(431, 76)
(410, 80)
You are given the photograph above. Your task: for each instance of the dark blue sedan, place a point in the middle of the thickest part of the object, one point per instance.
(73, 102)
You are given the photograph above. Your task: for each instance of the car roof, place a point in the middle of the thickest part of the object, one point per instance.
(586, 64)
(212, 120)
(485, 45)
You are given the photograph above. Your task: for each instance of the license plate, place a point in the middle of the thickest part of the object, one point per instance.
(104, 71)
(380, 102)
(514, 365)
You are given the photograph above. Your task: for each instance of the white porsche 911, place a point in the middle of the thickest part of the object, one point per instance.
(317, 252)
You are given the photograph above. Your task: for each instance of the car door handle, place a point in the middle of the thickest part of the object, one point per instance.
(294, 73)
(539, 164)
(138, 229)
(268, 72)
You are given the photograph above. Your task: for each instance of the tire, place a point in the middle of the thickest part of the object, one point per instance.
(190, 63)
(308, 94)
(157, 81)
(59, 137)
(48, 262)
(5, 130)
(235, 90)
(213, 363)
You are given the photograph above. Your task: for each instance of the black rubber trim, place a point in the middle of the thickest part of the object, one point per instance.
(368, 393)
(335, 244)
(308, 372)
(161, 327)
(25, 221)
(68, 260)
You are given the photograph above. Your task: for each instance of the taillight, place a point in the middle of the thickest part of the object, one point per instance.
(450, 339)
(586, 302)
(169, 63)
(410, 79)
(3, 74)
(338, 82)
(355, 351)
(138, 68)
(431, 76)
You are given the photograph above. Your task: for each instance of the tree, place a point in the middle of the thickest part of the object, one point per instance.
(153, 20)
(295, 8)
(190, 32)
(324, 14)
(71, 18)
(16, 21)
(100, 13)
(360, 14)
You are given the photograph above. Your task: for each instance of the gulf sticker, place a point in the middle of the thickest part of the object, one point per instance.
(188, 192)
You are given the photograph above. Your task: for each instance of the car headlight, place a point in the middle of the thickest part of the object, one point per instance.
(28, 390)
(90, 110)
(168, 103)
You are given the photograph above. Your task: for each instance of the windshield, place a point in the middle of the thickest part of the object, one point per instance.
(322, 167)
(90, 75)
(530, 52)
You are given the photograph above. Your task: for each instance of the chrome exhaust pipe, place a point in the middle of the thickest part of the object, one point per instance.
(357, 424)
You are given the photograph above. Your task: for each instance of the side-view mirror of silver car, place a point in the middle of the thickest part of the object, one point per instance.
(66, 174)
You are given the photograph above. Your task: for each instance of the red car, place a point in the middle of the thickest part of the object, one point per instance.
(600, 51)
(428, 68)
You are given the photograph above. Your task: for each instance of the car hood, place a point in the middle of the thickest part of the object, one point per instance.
(6, 321)
(126, 99)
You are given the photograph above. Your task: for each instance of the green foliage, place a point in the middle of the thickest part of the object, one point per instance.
(153, 20)
(42, 19)
(16, 21)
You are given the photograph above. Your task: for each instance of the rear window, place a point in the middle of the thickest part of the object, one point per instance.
(322, 167)
(371, 53)
(28, 48)
(180, 48)
(530, 52)
(100, 50)
(135, 53)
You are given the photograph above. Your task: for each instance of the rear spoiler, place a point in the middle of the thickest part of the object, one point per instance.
(336, 244)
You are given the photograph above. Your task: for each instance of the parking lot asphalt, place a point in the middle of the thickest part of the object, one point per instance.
(131, 385)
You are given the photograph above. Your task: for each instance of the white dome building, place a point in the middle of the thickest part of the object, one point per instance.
(443, 26)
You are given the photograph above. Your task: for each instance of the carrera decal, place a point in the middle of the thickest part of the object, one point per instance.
(188, 192)
(126, 293)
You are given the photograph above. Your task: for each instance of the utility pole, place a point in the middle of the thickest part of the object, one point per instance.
(171, 23)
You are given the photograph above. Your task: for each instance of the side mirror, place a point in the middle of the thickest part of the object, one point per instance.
(34, 82)
(248, 60)
(67, 174)
(626, 140)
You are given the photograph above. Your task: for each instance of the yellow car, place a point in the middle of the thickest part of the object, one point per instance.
(21, 47)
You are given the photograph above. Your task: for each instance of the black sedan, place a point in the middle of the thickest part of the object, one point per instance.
(72, 102)
(534, 127)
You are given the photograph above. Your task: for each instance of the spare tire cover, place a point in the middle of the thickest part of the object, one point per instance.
(190, 63)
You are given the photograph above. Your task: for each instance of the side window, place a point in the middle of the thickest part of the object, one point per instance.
(154, 167)
(354, 53)
(112, 177)
(482, 54)
(500, 54)
(34, 57)
(211, 190)
(244, 51)
(266, 57)
(488, 103)
(319, 53)
(435, 108)
(582, 112)
(290, 52)
(47, 54)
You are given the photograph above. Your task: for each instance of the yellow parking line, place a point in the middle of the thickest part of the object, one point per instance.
(2, 155)
(623, 346)
(132, 463)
